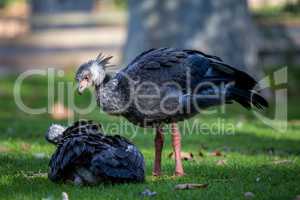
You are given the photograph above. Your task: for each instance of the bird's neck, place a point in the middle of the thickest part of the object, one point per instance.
(101, 85)
(108, 96)
(106, 79)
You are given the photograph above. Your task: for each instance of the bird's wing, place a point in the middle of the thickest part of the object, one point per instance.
(175, 62)
(241, 85)
(187, 68)
(120, 162)
(73, 151)
(141, 55)
(191, 69)
(242, 79)
(203, 67)
(83, 127)
(192, 51)
(160, 58)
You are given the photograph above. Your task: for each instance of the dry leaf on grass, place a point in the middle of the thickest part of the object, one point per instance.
(221, 162)
(4, 149)
(189, 186)
(249, 195)
(216, 153)
(31, 174)
(278, 162)
(184, 155)
(40, 155)
(59, 112)
(25, 147)
(148, 193)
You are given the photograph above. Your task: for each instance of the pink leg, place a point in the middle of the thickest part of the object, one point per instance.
(159, 143)
(176, 142)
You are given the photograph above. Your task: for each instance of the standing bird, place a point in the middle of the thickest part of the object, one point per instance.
(84, 156)
(167, 85)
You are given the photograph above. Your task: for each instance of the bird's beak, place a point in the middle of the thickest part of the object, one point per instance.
(81, 86)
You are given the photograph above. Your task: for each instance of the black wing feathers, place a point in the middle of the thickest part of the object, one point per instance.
(110, 158)
(175, 63)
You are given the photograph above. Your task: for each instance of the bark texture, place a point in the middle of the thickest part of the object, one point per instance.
(219, 27)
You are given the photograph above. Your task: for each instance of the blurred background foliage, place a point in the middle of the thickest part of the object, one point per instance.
(5, 3)
(63, 34)
(288, 9)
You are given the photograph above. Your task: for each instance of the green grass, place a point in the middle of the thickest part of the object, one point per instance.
(249, 154)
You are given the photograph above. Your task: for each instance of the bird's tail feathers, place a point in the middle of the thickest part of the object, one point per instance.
(247, 98)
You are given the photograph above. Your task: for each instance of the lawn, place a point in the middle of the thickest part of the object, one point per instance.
(254, 158)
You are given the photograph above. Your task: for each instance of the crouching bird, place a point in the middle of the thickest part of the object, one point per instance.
(85, 156)
(167, 85)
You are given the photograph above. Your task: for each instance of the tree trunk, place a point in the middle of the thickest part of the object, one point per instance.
(220, 27)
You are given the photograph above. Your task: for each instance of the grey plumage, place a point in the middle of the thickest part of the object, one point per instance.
(177, 73)
(85, 156)
(54, 133)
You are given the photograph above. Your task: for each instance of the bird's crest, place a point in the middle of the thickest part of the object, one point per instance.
(103, 60)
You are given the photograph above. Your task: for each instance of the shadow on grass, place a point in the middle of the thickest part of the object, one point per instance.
(247, 143)
(276, 181)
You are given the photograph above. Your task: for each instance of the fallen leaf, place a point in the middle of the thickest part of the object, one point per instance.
(4, 149)
(216, 153)
(189, 186)
(221, 162)
(59, 112)
(64, 196)
(31, 174)
(25, 146)
(40, 155)
(148, 193)
(184, 156)
(278, 162)
(249, 195)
